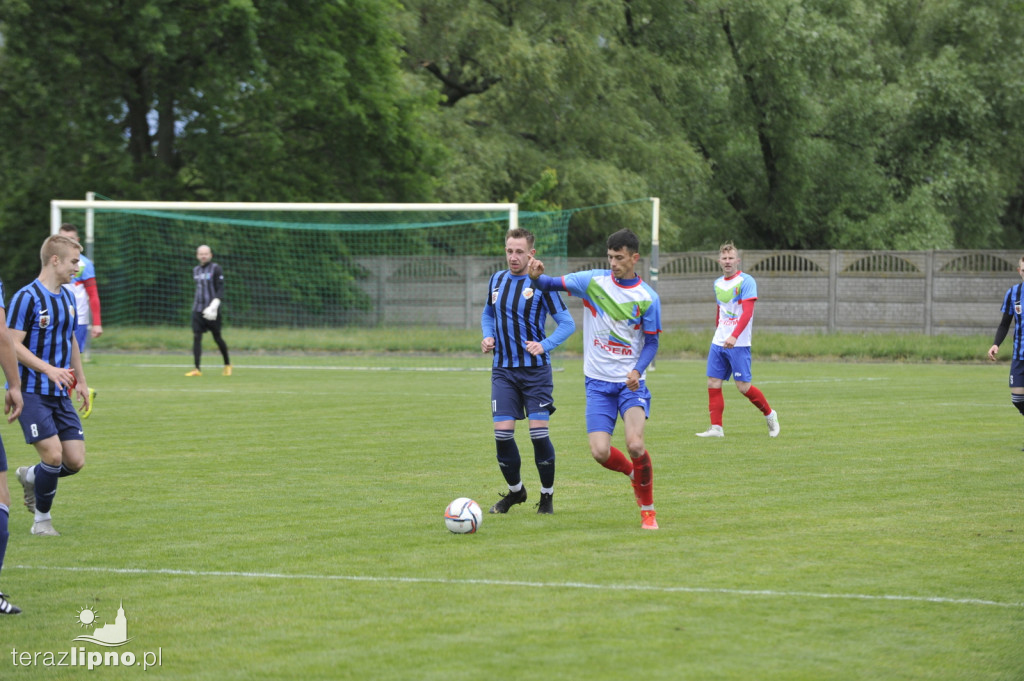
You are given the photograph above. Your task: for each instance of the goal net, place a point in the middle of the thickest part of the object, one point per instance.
(304, 265)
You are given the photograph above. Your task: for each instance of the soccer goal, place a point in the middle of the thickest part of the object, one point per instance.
(305, 265)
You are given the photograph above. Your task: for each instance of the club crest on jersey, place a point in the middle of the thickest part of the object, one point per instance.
(44, 319)
(1016, 308)
(528, 293)
(494, 296)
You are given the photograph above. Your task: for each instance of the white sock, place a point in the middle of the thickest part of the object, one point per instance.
(42, 516)
(30, 475)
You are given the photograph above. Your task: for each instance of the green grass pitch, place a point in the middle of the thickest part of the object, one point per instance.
(286, 523)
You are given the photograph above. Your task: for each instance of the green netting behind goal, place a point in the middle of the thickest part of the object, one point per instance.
(309, 269)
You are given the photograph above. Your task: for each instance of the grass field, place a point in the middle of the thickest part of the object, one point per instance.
(286, 523)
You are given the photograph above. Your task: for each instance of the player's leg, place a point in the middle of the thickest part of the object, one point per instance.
(506, 408)
(634, 420)
(544, 458)
(635, 407)
(718, 372)
(43, 478)
(601, 413)
(198, 328)
(37, 424)
(6, 607)
(537, 387)
(1017, 384)
(214, 327)
(740, 358)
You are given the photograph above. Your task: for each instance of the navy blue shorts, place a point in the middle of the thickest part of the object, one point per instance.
(46, 415)
(725, 362)
(605, 401)
(520, 392)
(1017, 373)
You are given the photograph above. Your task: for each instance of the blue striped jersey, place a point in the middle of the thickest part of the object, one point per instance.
(49, 321)
(515, 313)
(1012, 306)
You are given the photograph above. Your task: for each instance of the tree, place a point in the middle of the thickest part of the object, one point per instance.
(207, 100)
(533, 86)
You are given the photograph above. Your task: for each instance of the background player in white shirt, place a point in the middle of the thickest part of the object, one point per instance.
(729, 355)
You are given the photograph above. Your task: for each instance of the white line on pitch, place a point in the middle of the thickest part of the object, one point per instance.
(325, 367)
(516, 583)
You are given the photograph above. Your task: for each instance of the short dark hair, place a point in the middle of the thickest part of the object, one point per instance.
(68, 227)
(520, 233)
(624, 238)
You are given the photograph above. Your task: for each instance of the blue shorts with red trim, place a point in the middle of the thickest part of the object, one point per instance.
(605, 401)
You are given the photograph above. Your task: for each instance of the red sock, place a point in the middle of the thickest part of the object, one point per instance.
(618, 462)
(756, 398)
(643, 479)
(716, 405)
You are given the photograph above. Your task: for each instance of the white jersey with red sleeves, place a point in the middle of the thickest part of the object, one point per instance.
(615, 319)
(730, 294)
(86, 271)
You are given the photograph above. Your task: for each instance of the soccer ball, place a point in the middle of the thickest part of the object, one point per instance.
(463, 516)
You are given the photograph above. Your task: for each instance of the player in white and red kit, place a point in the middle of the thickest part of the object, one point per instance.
(729, 356)
(621, 323)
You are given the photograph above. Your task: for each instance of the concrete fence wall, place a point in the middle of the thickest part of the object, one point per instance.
(929, 292)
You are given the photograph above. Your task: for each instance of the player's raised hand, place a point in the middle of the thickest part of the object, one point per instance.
(535, 269)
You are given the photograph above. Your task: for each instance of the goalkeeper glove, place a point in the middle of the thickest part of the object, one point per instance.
(211, 310)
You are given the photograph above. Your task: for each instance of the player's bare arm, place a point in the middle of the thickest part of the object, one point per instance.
(76, 365)
(13, 400)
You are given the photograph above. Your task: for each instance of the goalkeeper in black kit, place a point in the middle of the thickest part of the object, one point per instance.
(209, 278)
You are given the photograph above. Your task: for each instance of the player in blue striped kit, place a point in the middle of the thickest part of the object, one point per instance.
(512, 323)
(42, 325)
(1012, 314)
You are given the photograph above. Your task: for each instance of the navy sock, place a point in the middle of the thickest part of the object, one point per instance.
(544, 455)
(508, 455)
(65, 471)
(4, 513)
(46, 486)
(1018, 401)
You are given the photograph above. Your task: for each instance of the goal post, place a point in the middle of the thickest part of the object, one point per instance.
(304, 265)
